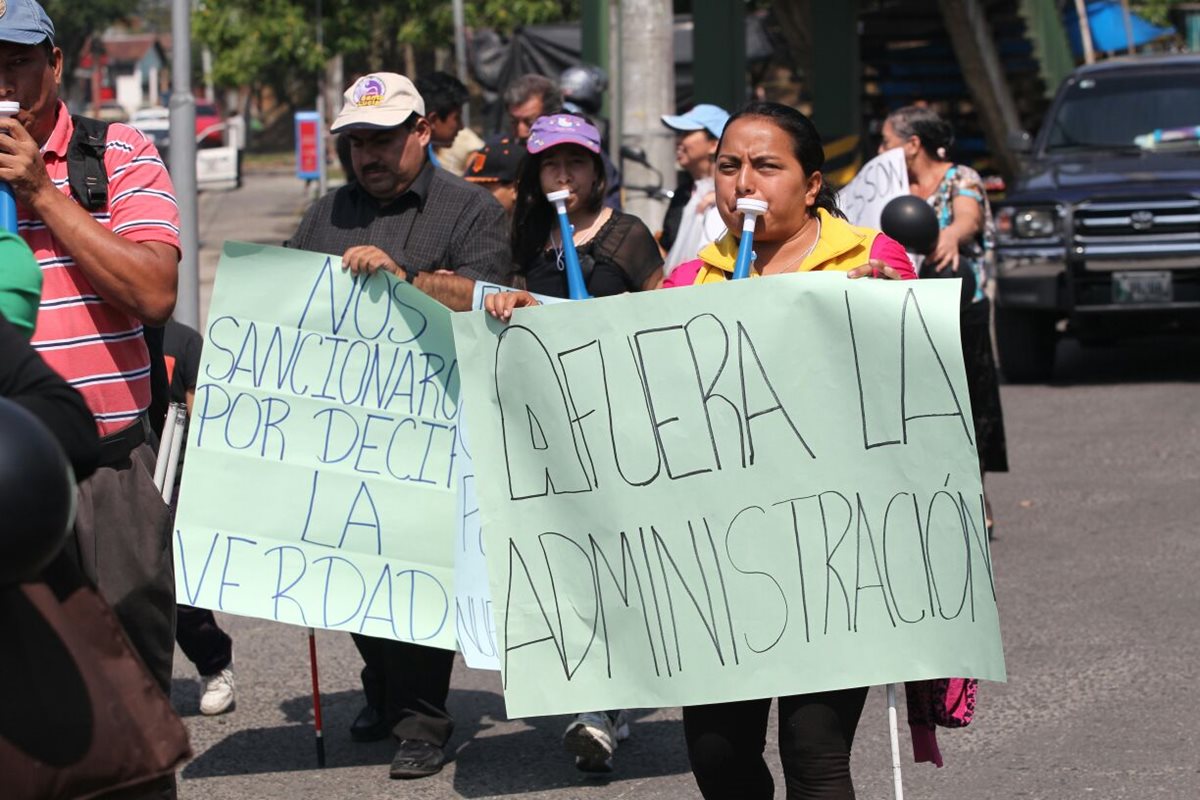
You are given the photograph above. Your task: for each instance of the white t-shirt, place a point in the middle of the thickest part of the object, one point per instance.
(696, 230)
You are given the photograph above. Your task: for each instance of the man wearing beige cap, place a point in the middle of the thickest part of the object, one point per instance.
(441, 234)
(422, 224)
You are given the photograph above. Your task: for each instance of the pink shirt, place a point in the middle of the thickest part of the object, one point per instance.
(96, 348)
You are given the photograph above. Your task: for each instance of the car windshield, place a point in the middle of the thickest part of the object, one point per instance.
(1114, 112)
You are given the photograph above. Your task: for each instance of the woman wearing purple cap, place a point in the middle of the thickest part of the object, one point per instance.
(617, 252)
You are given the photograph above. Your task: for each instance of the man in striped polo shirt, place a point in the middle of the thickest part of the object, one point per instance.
(106, 273)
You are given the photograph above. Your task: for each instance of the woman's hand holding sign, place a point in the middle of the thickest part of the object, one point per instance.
(501, 304)
(875, 269)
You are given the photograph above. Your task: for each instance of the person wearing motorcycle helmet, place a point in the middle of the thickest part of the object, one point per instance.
(583, 86)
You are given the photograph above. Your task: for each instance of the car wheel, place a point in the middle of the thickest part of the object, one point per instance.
(1026, 341)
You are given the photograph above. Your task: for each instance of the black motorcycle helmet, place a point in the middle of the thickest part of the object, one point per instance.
(583, 85)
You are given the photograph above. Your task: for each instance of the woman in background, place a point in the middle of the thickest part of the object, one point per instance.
(958, 198)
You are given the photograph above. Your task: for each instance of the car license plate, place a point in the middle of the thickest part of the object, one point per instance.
(1142, 287)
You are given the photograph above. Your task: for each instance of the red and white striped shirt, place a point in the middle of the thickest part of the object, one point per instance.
(96, 348)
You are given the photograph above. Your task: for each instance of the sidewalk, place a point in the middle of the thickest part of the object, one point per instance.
(265, 210)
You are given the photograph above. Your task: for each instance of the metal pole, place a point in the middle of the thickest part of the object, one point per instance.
(616, 80)
(322, 132)
(1085, 31)
(894, 734)
(594, 22)
(460, 54)
(1128, 19)
(183, 163)
(318, 728)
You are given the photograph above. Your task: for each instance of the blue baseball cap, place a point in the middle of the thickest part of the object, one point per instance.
(704, 117)
(24, 22)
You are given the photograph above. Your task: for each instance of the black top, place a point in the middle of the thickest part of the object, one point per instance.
(674, 216)
(28, 381)
(183, 344)
(619, 258)
(440, 222)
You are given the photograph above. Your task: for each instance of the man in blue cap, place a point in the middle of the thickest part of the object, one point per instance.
(104, 228)
(685, 227)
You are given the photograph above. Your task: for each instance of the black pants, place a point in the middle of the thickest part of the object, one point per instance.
(202, 640)
(409, 684)
(725, 744)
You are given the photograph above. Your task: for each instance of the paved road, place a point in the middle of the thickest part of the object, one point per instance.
(1095, 567)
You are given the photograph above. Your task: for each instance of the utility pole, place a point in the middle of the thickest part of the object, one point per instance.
(1085, 31)
(323, 132)
(183, 163)
(719, 53)
(647, 92)
(975, 49)
(460, 54)
(594, 26)
(1127, 18)
(615, 82)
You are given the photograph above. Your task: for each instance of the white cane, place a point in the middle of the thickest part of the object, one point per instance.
(898, 785)
(164, 448)
(179, 412)
(169, 449)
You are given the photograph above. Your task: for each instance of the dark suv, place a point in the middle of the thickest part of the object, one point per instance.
(1102, 229)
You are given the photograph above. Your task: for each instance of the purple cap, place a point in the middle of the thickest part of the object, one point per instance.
(559, 129)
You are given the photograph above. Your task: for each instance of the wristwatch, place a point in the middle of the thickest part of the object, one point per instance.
(410, 274)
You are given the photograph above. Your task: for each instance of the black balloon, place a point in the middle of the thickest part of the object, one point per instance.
(37, 495)
(910, 221)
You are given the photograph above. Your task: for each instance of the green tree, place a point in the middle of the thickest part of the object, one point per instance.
(75, 21)
(273, 42)
(258, 42)
(1157, 11)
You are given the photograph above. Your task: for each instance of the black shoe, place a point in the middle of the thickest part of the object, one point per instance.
(369, 726)
(417, 759)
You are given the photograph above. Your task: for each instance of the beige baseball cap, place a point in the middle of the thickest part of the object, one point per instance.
(379, 100)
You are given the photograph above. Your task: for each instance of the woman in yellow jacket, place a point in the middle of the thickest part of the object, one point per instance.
(773, 153)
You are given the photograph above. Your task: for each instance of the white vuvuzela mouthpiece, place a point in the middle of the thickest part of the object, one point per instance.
(748, 205)
(562, 194)
(751, 209)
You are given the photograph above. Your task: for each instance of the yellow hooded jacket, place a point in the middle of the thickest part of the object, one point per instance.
(842, 247)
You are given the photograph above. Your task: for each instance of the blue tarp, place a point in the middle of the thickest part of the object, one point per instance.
(1107, 22)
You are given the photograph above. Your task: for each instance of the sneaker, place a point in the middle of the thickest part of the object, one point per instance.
(217, 696)
(592, 738)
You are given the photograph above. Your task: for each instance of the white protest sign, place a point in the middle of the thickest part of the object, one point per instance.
(883, 178)
(473, 617)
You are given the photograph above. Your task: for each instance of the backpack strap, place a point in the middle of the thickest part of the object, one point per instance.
(85, 162)
(89, 184)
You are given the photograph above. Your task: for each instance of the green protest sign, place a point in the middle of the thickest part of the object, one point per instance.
(726, 492)
(319, 480)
